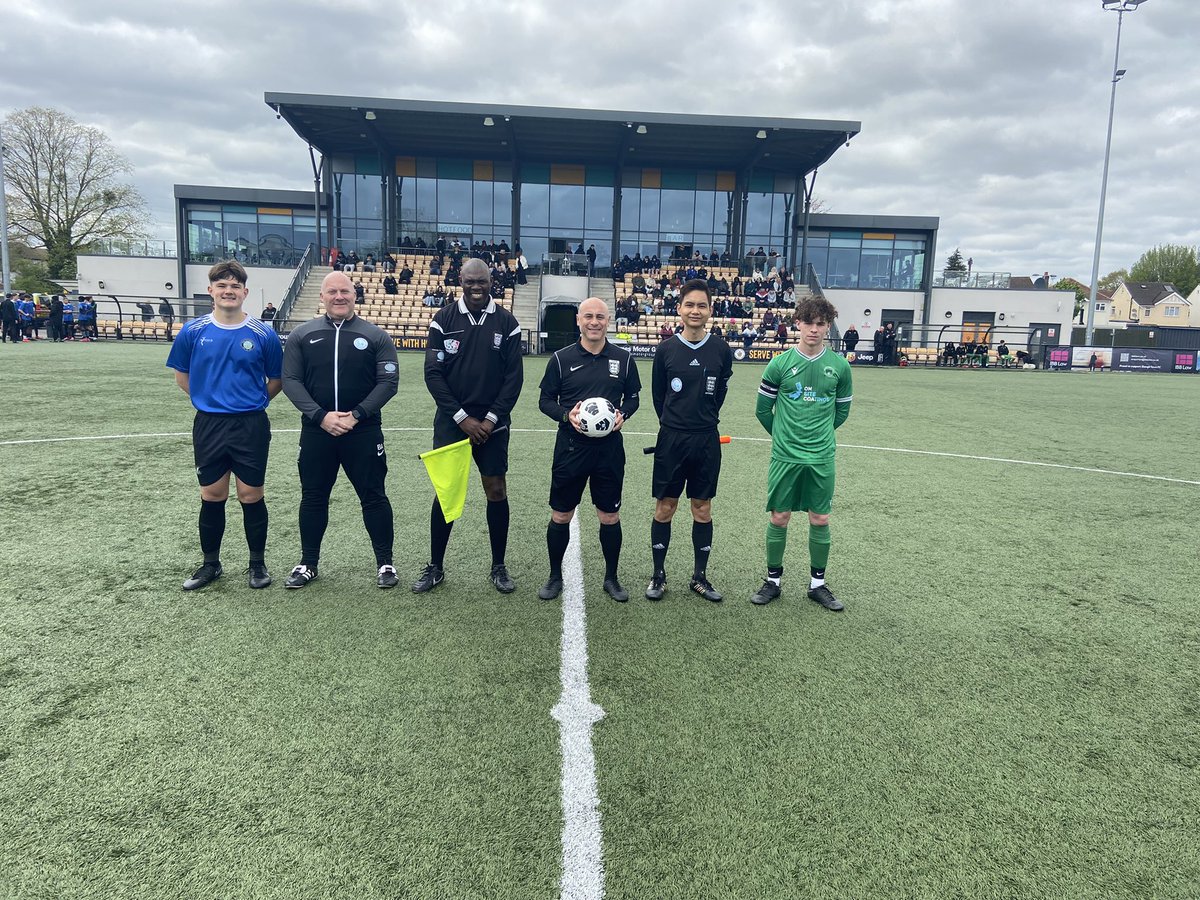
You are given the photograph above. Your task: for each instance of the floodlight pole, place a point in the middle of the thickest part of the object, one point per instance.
(7, 274)
(1123, 7)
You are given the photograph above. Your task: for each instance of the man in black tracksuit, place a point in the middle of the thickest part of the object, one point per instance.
(474, 372)
(339, 370)
(592, 367)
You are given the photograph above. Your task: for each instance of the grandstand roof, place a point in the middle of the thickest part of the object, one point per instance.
(547, 134)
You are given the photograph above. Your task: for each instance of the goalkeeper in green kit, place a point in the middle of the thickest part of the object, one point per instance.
(804, 395)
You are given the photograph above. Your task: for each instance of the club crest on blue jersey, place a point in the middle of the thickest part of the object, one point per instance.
(246, 344)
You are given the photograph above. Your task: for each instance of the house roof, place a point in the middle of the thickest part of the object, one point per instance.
(1149, 293)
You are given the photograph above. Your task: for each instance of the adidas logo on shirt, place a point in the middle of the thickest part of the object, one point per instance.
(694, 362)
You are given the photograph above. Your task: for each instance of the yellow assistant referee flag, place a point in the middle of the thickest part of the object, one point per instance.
(448, 469)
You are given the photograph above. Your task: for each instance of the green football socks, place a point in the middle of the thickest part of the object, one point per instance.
(776, 544)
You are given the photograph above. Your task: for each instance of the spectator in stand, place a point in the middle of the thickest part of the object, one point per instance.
(769, 321)
(406, 275)
(435, 266)
(420, 244)
(8, 320)
(878, 341)
(268, 313)
(850, 339)
(334, 254)
(389, 285)
(388, 263)
(949, 355)
(591, 255)
(360, 294)
(749, 336)
(639, 284)
(1003, 354)
(522, 266)
(981, 354)
(369, 264)
(781, 334)
(665, 331)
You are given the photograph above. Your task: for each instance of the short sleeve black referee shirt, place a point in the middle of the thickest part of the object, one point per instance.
(573, 374)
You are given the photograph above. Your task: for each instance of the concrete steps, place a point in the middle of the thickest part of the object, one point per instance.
(309, 299)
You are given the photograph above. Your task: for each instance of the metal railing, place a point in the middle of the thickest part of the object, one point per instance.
(129, 247)
(307, 261)
(995, 280)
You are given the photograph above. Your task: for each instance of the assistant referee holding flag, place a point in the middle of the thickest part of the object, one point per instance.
(591, 367)
(690, 379)
(339, 370)
(228, 363)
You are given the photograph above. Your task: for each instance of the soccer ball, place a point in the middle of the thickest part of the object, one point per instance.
(597, 416)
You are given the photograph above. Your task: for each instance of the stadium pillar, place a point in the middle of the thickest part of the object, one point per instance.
(618, 177)
(739, 198)
(516, 204)
(809, 187)
(4, 269)
(316, 169)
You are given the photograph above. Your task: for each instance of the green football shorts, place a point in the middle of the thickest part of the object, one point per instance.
(806, 486)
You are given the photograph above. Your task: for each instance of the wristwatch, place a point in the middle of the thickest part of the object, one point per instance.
(357, 413)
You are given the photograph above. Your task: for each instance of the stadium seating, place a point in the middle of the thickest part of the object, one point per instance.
(403, 314)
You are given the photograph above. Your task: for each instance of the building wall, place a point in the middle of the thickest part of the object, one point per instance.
(865, 309)
(138, 276)
(128, 276)
(265, 285)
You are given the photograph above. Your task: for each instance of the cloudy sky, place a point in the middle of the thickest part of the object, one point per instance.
(989, 114)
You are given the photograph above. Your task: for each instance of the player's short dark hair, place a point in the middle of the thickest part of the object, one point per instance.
(816, 310)
(695, 284)
(227, 269)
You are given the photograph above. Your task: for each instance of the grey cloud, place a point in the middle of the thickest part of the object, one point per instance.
(989, 115)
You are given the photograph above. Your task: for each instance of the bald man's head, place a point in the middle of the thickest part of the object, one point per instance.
(337, 293)
(476, 281)
(592, 319)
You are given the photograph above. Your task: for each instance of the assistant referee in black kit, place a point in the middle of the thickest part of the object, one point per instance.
(690, 379)
(339, 370)
(592, 367)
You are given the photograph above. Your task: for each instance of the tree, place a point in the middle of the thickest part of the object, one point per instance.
(1112, 280)
(1172, 263)
(955, 264)
(66, 187)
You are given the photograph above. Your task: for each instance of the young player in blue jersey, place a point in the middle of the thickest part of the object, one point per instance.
(231, 365)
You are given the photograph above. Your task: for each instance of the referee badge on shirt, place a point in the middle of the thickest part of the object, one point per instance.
(451, 345)
(497, 340)
(247, 344)
(676, 385)
(360, 343)
(614, 368)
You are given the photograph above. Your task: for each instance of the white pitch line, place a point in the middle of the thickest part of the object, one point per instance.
(582, 851)
(755, 440)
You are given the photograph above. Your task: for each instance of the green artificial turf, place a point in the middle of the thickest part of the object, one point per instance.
(1007, 708)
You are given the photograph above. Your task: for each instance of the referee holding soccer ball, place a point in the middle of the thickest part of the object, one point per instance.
(592, 367)
(339, 370)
